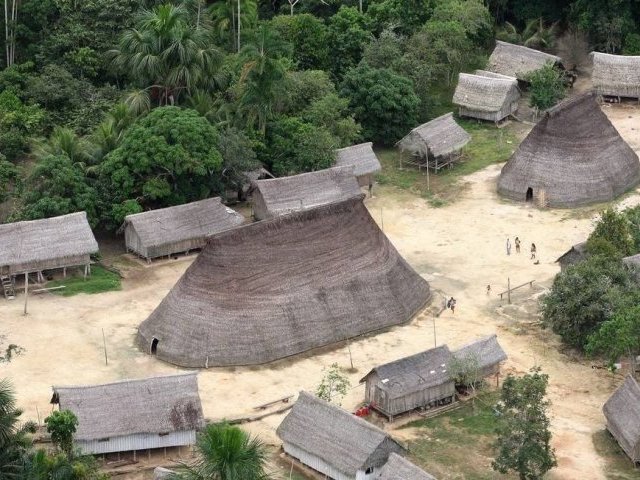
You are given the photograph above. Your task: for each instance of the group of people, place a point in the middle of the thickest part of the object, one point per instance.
(517, 244)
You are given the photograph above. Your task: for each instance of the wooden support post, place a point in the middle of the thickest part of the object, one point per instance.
(508, 290)
(84, 276)
(149, 454)
(26, 291)
(134, 456)
(435, 343)
(104, 343)
(64, 272)
(165, 452)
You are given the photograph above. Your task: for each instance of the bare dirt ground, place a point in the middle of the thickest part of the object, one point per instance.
(459, 248)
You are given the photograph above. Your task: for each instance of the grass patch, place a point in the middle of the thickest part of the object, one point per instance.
(100, 280)
(458, 444)
(618, 465)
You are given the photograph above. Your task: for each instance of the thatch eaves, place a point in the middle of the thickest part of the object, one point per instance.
(149, 405)
(518, 61)
(622, 412)
(338, 437)
(182, 222)
(487, 73)
(36, 242)
(616, 75)
(485, 94)
(574, 156)
(486, 351)
(577, 250)
(399, 468)
(438, 138)
(361, 157)
(282, 286)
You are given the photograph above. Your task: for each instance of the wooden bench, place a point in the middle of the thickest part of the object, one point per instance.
(515, 288)
(268, 404)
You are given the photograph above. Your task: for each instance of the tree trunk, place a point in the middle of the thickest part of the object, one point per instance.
(239, 22)
(6, 30)
(360, 4)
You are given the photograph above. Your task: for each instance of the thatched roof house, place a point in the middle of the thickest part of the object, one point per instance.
(37, 245)
(399, 468)
(134, 414)
(486, 97)
(485, 353)
(438, 140)
(283, 286)
(616, 75)
(574, 156)
(418, 381)
(622, 412)
(165, 231)
(279, 196)
(575, 254)
(333, 441)
(363, 159)
(518, 61)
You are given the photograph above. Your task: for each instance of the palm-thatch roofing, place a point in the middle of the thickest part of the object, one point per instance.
(487, 73)
(149, 405)
(361, 157)
(339, 438)
(573, 156)
(307, 190)
(437, 138)
(399, 468)
(632, 260)
(282, 286)
(486, 351)
(622, 412)
(616, 75)
(414, 373)
(518, 61)
(576, 252)
(485, 94)
(199, 219)
(33, 243)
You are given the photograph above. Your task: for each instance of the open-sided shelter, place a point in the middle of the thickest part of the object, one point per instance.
(363, 159)
(622, 412)
(575, 254)
(166, 231)
(485, 354)
(279, 287)
(399, 468)
(279, 196)
(486, 97)
(133, 415)
(418, 381)
(616, 75)
(436, 143)
(574, 156)
(46, 244)
(333, 441)
(518, 61)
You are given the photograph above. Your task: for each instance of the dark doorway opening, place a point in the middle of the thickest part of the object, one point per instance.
(154, 346)
(529, 194)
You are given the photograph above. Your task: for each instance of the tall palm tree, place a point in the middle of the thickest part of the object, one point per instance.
(225, 14)
(14, 441)
(226, 452)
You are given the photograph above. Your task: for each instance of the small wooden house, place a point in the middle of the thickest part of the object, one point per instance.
(518, 61)
(335, 442)
(491, 98)
(616, 75)
(363, 159)
(486, 354)
(399, 468)
(134, 415)
(575, 254)
(437, 143)
(280, 196)
(622, 412)
(419, 381)
(182, 228)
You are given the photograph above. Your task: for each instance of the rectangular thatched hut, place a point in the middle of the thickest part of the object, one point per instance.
(622, 412)
(419, 381)
(575, 254)
(399, 468)
(166, 231)
(518, 61)
(46, 244)
(436, 143)
(133, 415)
(485, 353)
(334, 442)
(616, 75)
(363, 159)
(280, 196)
(486, 97)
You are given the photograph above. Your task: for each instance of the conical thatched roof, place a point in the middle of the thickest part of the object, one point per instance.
(518, 61)
(361, 157)
(399, 468)
(622, 412)
(439, 137)
(485, 94)
(573, 156)
(282, 286)
(616, 75)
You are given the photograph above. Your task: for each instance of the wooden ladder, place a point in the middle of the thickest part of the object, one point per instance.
(8, 287)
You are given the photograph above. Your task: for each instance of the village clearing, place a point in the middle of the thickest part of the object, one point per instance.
(459, 247)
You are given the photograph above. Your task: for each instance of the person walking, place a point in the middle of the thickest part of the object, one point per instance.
(452, 304)
(488, 289)
(508, 246)
(533, 251)
(517, 242)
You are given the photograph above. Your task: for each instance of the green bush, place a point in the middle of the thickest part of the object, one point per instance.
(546, 86)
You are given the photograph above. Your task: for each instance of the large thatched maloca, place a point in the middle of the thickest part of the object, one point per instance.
(574, 156)
(283, 286)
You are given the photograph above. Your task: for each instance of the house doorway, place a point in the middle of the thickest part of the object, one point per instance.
(529, 196)
(154, 346)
